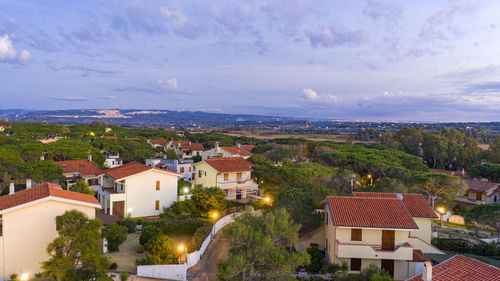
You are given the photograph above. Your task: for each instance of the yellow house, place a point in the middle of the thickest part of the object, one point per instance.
(231, 174)
(378, 229)
(28, 225)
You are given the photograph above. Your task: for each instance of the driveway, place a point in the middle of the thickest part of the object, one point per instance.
(126, 257)
(206, 268)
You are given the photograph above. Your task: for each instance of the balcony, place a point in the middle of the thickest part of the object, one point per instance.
(111, 193)
(402, 251)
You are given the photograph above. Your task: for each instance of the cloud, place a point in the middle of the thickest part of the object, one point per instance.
(311, 95)
(9, 55)
(169, 85)
(472, 73)
(90, 69)
(383, 9)
(334, 36)
(179, 23)
(108, 97)
(69, 99)
(482, 87)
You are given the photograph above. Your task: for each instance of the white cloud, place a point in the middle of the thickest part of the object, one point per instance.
(176, 17)
(311, 95)
(169, 85)
(9, 54)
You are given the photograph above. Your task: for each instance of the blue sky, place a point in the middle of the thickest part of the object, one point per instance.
(357, 60)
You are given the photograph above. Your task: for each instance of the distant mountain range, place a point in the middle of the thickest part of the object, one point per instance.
(136, 117)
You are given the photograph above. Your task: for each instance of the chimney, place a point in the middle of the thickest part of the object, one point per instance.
(217, 150)
(238, 145)
(28, 183)
(90, 157)
(463, 172)
(42, 157)
(427, 271)
(12, 188)
(399, 196)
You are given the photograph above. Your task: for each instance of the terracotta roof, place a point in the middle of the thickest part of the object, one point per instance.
(415, 203)
(158, 142)
(248, 147)
(42, 191)
(84, 167)
(130, 169)
(481, 186)
(110, 137)
(132, 138)
(462, 268)
(159, 165)
(373, 212)
(419, 256)
(236, 151)
(229, 164)
(189, 146)
(6, 126)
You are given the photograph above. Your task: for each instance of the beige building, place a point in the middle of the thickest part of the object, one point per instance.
(231, 174)
(228, 151)
(380, 229)
(28, 225)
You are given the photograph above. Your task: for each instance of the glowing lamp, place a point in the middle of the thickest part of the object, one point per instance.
(25, 276)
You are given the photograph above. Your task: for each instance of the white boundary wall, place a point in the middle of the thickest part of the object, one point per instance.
(178, 271)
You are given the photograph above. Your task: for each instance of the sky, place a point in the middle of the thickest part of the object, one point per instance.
(373, 60)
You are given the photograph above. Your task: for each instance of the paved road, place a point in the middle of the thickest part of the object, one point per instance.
(206, 269)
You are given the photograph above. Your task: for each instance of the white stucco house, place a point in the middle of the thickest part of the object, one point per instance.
(242, 151)
(137, 190)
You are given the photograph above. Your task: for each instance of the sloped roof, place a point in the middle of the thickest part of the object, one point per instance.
(419, 256)
(481, 186)
(248, 147)
(158, 142)
(84, 167)
(42, 191)
(229, 164)
(369, 212)
(462, 268)
(415, 203)
(130, 169)
(189, 146)
(235, 150)
(110, 137)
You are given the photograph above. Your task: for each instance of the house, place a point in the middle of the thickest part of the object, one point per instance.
(28, 225)
(49, 139)
(226, 151)
(113, 160)
(478, 191)
(4, 127)
(379, 229)
(86, 170)
(158, 143)
(231, 174)
(185, 150)
(456, 268)
(186, 170)
(247, 147)
(137, 190)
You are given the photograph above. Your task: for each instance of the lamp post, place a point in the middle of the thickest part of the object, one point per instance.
(183, 250)
(442, 212)
(371, 179)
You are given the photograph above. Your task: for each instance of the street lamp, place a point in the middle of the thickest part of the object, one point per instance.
(183, 250)
(186, 190)
(371, 179)
(215, 215)
(267, 199)
(25, 276)
(441, 211)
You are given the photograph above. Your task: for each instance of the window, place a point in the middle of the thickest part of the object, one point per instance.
(157, 185)
(479, 196)
(226, 177)
(199, 174)
(356, 234)
(157, 205)
(238, 176)
(355, 264)
(190, 169)
(182, 170)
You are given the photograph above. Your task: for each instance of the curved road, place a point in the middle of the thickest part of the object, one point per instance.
(206, 269)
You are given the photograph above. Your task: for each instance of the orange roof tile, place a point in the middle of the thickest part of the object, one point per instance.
(84, 167)
(236, 151)
(189, 146)
(130, 169)
(419, 256)
(481, 186)
(229, 164)
(415, 203)
(248, 147)
(158, 142)
(461, 268)
(110, 137)
(369, 212)
(42, 191)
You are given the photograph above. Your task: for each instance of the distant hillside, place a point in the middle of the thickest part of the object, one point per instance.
(136, 117)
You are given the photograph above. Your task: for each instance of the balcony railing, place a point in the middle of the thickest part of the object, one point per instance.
(402, 251)
(240, 181)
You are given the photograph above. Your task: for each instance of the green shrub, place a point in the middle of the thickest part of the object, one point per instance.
(115, 234)
(198, 237)
(124, 276)
(317, 257)
(171, 227)
(13, 277)
(113, 266)
(130, 224)
(181, 209)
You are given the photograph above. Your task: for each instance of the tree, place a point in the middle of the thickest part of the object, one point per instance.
(434, 149)
(487, 214)
(488, 170)
(41, 170)
(440, 185)
(115, 234)
(300, 205)
(208, 199)
(82, 187)
(259, 248)
(410, 140)
(76, 253)
(170, 153)
(160, 250)
(494, 150)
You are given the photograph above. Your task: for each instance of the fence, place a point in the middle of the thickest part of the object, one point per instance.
(178, 271)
